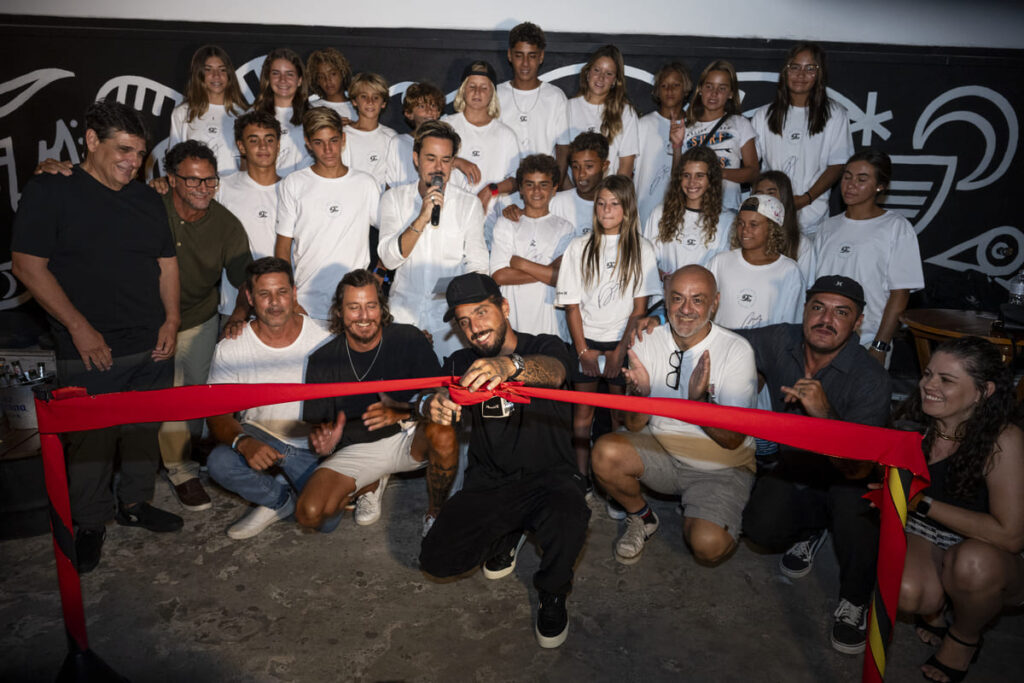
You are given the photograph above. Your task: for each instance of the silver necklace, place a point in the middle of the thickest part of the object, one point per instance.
(515, 100)
(353, 366)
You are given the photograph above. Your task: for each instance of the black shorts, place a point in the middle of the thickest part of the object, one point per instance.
(577, 374)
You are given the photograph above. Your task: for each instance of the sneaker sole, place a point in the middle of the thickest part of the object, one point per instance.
(549, 642)
(628, 560)
(794, 574)
(847, 649)
(249, 533)
(192, 508)
(505, 571)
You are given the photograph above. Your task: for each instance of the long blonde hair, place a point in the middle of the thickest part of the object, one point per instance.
(617, 100)
(628, 262)
(671, 223)
(195, 90)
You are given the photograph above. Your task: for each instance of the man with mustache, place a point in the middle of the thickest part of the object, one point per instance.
(819, 369)
(522, 469)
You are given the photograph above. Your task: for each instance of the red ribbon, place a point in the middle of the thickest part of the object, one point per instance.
(73, 410)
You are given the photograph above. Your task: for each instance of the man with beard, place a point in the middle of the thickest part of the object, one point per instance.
(209, 240)
(522, 470)
(711, 469)
(270, 440)
(369, 436)
(819, 369)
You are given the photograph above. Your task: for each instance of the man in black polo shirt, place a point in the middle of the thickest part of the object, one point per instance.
(94, 250)
(819, 369)
(522, 473)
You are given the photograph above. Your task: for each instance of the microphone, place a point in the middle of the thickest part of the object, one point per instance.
(436, 180)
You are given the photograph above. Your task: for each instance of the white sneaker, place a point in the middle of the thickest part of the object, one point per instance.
(259, 518)
(631, 544)
(428, 522)
(368, 504)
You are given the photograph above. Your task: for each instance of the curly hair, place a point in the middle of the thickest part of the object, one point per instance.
(628, 263)
(819, 108)
(790, 226)
(617, 100)
(335, 60)
(972, 460)
(671, 223)
(265, 100)
(360, 277)
(538, 163)
(195, 90)
(776, 237)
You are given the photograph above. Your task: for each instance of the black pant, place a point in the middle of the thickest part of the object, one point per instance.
(90, 455)
(804, 495)
(473, 523)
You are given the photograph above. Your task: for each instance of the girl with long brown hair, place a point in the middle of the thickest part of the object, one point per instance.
(283, 93)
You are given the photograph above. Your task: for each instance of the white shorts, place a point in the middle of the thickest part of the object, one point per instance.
(368, 462)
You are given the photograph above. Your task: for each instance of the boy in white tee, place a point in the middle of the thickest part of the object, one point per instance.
(367, 140)
(421, 102)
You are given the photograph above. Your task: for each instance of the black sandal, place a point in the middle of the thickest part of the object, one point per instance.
(937, 631)
(954, 675)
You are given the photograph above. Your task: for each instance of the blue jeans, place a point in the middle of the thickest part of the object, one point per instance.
(267, 487)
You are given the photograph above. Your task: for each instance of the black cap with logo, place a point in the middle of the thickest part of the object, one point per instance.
(470, 288)
(839, 284)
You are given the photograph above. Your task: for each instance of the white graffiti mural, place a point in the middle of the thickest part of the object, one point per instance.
(925, 177)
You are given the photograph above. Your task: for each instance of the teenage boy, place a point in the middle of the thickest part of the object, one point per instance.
(252, 196)
(525, 254)
(672, 84)
(367, 142)
(422, 102)
(324, 215)
(535, 111)
(330, 75)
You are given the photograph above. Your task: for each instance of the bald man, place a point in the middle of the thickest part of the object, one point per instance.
(711, 469)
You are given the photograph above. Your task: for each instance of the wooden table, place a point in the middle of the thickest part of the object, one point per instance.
(939, 324)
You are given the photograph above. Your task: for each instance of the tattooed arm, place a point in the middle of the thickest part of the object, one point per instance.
(539, 371)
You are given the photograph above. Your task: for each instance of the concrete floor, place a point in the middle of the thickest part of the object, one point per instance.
(291, 605)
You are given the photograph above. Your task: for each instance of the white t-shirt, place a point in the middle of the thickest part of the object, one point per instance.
(604, 307)
(255, 206)
(733, 375)
(494, 148)
(541, 240)
(880, 253)
(568, 204)
(538, 117)
(586, 118)
(345, 109)
(215, 128)
(399, 168)
(688, 247)
(653, 167)
(802, 156)
(292, 154)
(247, 360)
(454, 247)
(727, 143)
(755, 296)
(367, 151)
(329, 222)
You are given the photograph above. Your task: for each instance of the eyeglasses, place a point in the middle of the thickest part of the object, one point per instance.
(810, 69)
(672, 378)
(191, 181)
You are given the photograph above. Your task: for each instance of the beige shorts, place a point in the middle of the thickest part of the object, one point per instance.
(368, 462)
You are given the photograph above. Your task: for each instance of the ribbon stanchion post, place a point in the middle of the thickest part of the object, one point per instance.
(71, 409)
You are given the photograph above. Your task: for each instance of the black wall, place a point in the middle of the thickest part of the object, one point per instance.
(950, 117)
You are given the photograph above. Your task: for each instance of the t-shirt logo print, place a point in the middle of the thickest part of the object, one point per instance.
(845, 250)
(691, 242)
(263, 214)
(746, 298)
(212, 130)
(523, 118)
(334, 209)
(475, 153)
(374, 158)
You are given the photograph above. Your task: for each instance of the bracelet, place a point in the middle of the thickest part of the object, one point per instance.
(234, 442)
(810, 199)
(418, 232)
(883, 346)
(581, 354)
(419, 405)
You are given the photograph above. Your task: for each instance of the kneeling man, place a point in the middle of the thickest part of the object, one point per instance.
(711, 469)
(368, 436)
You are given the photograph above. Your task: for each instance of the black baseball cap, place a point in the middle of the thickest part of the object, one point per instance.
(839, 284)
(481, 68)
(470, 288)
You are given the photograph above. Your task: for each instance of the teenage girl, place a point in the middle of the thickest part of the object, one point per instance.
(283, 93)
(213, 100)
(604, 283)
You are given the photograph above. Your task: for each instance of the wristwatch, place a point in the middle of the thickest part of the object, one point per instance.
(883, 346)
(234, 442)
(494, 189)
(520, 364)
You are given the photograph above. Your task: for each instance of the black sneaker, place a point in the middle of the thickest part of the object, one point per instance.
(503, 562)
(799, 559)
(88, 544)
(148, 517)
(848, 631)
(552, 620)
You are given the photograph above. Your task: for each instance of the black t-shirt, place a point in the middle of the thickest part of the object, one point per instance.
(404, 353)
(511, 441)
(102, 247)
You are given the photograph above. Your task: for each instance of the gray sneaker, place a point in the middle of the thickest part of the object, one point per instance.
(631, 544)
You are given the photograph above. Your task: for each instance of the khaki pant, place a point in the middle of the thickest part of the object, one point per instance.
(192, 358)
